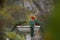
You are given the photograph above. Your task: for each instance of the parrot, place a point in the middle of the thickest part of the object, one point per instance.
(32, 23)
(19, 23)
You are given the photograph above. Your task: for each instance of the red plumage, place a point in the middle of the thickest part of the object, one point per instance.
(32, 17)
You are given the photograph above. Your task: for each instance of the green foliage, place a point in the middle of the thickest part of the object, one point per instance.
(53, 28)
(14, 36)
(7, 19)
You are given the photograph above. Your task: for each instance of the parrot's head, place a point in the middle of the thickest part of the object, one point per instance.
(32, 17)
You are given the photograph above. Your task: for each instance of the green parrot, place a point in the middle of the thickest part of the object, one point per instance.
(32, 23)
(19, 23)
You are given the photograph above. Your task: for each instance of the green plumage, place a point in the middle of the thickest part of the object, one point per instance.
(32, 23)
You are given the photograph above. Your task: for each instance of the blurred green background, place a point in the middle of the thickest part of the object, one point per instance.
(8, 19)
(53, 28)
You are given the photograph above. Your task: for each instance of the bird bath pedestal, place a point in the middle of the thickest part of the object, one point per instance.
(27, 30)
